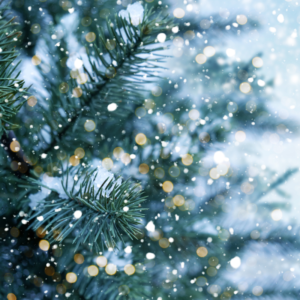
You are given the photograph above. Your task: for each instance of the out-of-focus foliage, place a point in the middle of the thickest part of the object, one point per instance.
(12, 88)
(105, 97)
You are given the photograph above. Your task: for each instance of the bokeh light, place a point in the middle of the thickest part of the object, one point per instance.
(111, 269)
(44, 245)
(93, 270)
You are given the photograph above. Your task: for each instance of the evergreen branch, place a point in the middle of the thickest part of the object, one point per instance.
(114, 73)
(11, 88)
(283, 178)
(99, 213)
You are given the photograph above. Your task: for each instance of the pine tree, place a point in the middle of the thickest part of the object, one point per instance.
(117, 183)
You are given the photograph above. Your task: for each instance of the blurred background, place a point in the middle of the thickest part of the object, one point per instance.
(214, 144)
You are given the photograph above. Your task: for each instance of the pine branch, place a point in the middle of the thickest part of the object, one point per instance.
(11, 88)
(133, 52)
(116, 75)
(101, 214)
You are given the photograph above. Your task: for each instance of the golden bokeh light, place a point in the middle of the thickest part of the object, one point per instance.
(71, 277)
(35, 28)
(40, 232)
(93, 270)
(213, 173)
(107, 163)
(61, 155)
(189, 204)
(223, 168)
(202, 252)
(79, 258)
(74, 160)
(164, 243)
(245, 87)
(126, 159)
(149, 104)
(209, 51)
(110, 44)
(86, 21)
(178, 200)
(77, 92)
(123, 290)
(110, 72)
(111, 269)
(49, 271)
(44, 245)
(156, 91)
(189, 35)
(140, 139)
(187, 159)
(204, 137)
(168, 186)
(140, 112)
(143, 168)
(63, 87)
(89, 125)
(169, 202)
(174, 171)
(118, 152)
(159, 173)
(79, 152)
(90, 37)
(156, 235)
(15, 146)
(11, 296)
(213, 261)
(32, 101)
(36, 60)
(15, 232)
(101, 261)
(257, 62)
(211, 271)
(74, 73)
(82, 78)
(129, 269)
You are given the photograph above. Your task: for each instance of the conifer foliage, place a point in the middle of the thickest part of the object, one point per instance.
(12, 89)
(121, 170)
